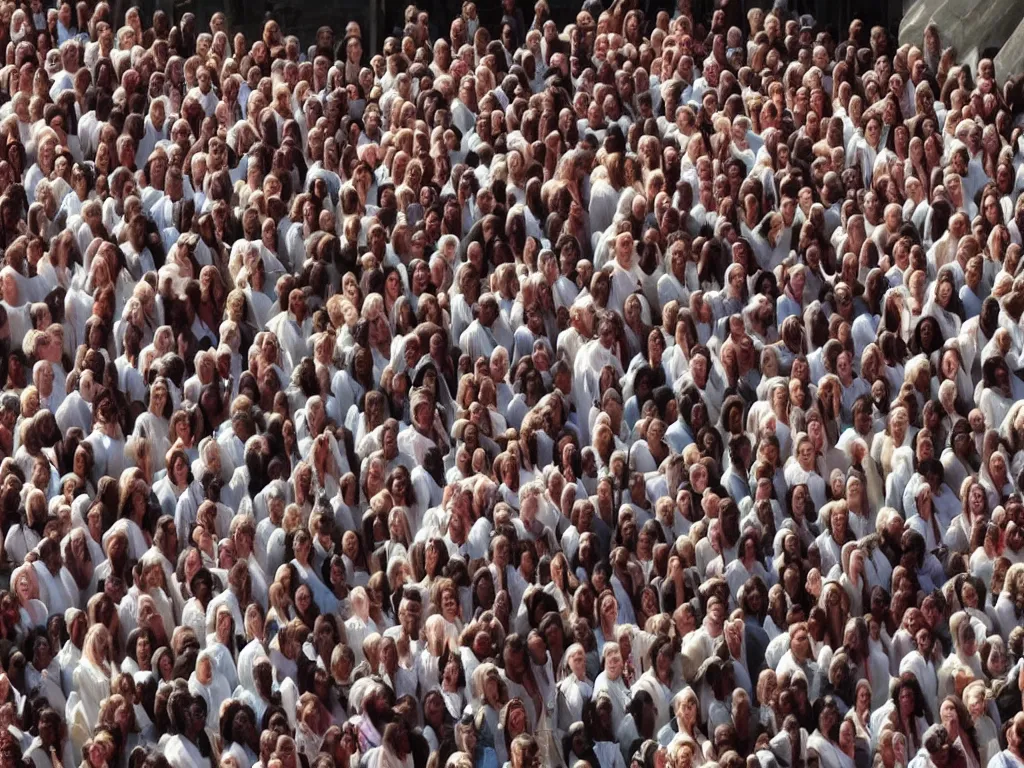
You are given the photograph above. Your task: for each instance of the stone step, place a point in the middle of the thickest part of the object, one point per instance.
(988, 26)
(951, 16)
(1010, 58)
(916, 16)
(973, 27)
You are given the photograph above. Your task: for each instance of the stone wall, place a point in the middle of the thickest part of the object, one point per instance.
(975, 28)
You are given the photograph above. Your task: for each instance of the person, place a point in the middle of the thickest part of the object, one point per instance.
(51, 743)
(635, 385)
(92, 678)
(525, 752)
(187, 715)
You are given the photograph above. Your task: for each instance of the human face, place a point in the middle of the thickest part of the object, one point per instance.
(976, 504)
(663, 663)
(947, 715)
(158, 401)
(223, 624)
(906, 699)
(433, 709)
(42, 655)
(688, 710)
(873, 131)
(613, 664)
(517, 721)
(863, 698)
(805, 455)
(449, 605)
(924, 642)
(97, 755)
(204, 671)
(24, 589)
(800, 643)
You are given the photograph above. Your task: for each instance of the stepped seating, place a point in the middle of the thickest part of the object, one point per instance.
(975, 28)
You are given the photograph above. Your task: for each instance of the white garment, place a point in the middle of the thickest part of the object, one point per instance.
(182, 753)
(617, 691)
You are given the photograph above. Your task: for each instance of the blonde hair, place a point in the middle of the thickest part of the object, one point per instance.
(97, 634)
(26, 395)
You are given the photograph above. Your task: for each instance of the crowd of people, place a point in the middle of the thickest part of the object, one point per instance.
(642, 391)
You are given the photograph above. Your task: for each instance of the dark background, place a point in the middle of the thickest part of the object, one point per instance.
(303, 17)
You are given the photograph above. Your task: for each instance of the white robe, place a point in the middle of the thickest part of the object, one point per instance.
(193, 615)
(92, 686)
(74, 412)
(572, 695)
(357, 630)
(661, 695)
(224, 664)
(20, 540)
(109, 455)
(829, 753)
(246, 661)
(586, 370)
(924, 671)
(293, 338)
(182, 753)
(618, 692)
(53, 590)
(623, 283)
(479, 341)
(413, 443)
(48, 681)
(608, 754)
(214, 694)
(149, 141)
(158, 430)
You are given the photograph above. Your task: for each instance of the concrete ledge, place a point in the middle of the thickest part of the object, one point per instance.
(989, 26)
(1010, 59)
(951, 16)
(971, 27)
(915, 19)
